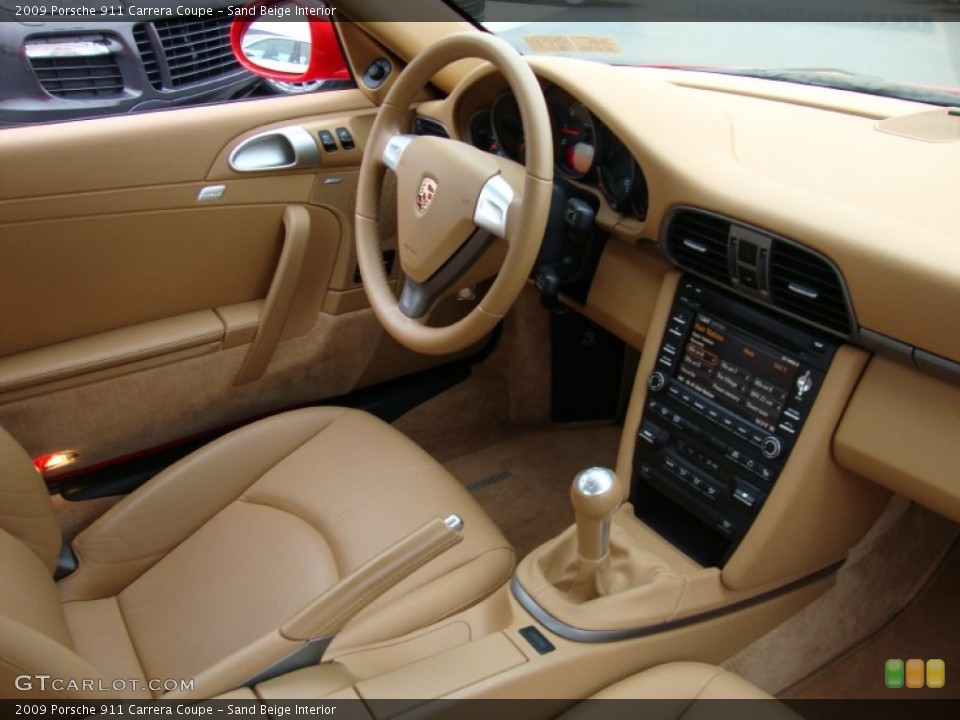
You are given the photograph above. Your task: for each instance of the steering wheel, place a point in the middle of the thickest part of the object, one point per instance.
(453, 201)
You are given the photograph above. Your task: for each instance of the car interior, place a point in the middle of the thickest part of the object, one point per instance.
(490, 376)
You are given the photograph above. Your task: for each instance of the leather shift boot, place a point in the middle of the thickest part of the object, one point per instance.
(624, 567)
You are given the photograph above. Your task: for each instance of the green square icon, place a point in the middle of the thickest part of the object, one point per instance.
(893, 673)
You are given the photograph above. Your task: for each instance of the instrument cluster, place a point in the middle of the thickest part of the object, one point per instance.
(585, 150)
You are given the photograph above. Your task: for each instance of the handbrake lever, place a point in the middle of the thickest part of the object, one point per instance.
(327, 615)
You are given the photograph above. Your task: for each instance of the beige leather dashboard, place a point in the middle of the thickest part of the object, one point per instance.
(814, 168)
(867, 182)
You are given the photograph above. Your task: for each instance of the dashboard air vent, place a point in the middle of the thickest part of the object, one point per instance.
(148, 55)
(808, 286)
(426, 126)
(698, 242)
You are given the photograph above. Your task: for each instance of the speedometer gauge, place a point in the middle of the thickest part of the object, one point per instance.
(576, 140)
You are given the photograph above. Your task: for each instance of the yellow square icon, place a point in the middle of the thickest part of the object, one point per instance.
(936, 673)
(915, 673)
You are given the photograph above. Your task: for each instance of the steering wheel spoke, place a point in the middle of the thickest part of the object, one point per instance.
(394, 150)
(493, 206)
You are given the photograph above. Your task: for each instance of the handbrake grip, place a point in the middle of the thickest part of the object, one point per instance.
(331, 611)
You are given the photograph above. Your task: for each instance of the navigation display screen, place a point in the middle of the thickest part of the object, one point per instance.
(736, 372)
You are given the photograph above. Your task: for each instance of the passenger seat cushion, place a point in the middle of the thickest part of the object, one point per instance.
(25, 508)
(143, 527)
(238, 578)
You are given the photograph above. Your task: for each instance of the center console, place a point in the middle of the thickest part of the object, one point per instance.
(723, 412)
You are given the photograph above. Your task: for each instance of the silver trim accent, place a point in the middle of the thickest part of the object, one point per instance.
(58, 49)
(211, 192)
(493, 206)
(595, 481)
(281, 149)
(802, 290)
(695, 246)
(558, 627)
(454, 522)
(394, 150)
(937, 365)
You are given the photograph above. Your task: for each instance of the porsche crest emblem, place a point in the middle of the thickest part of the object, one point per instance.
(428, 188)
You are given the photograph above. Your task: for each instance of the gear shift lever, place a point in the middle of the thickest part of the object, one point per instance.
(596, 495)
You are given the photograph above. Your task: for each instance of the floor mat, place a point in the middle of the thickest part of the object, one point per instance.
(524, 482)
(929, 628)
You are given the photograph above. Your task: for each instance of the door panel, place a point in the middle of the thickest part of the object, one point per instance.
(129, 303)
(80, 276)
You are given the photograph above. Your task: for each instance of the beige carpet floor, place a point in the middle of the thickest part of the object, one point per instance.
(928, 628)
(523, 482)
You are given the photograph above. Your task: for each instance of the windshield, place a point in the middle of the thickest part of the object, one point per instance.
(914, 56)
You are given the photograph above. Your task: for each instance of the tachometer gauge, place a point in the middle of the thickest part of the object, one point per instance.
(576, 141)
(480, 131)
(508, 127)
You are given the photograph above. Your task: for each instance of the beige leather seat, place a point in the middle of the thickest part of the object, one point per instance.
(683, 681)
(689, 691)
(192, 575)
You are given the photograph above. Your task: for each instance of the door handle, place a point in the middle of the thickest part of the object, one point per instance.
(276, 308)
(285, 148)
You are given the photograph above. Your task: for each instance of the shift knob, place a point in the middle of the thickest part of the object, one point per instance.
(596, 495)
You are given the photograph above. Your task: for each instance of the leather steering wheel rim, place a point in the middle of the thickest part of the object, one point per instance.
(449, 194)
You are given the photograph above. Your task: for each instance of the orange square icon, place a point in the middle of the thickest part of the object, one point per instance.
(915, 672)
(936, 673)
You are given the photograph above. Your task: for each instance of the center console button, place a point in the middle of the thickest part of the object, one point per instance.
(656, 381)
(765, 472)
(746, 493)
(652, 435)
(771, 447)
(727, 527)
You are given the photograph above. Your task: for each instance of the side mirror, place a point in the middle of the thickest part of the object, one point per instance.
(290, 41)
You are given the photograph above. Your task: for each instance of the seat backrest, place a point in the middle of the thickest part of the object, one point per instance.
(25, 508)
(35, 642)
(34, 638)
